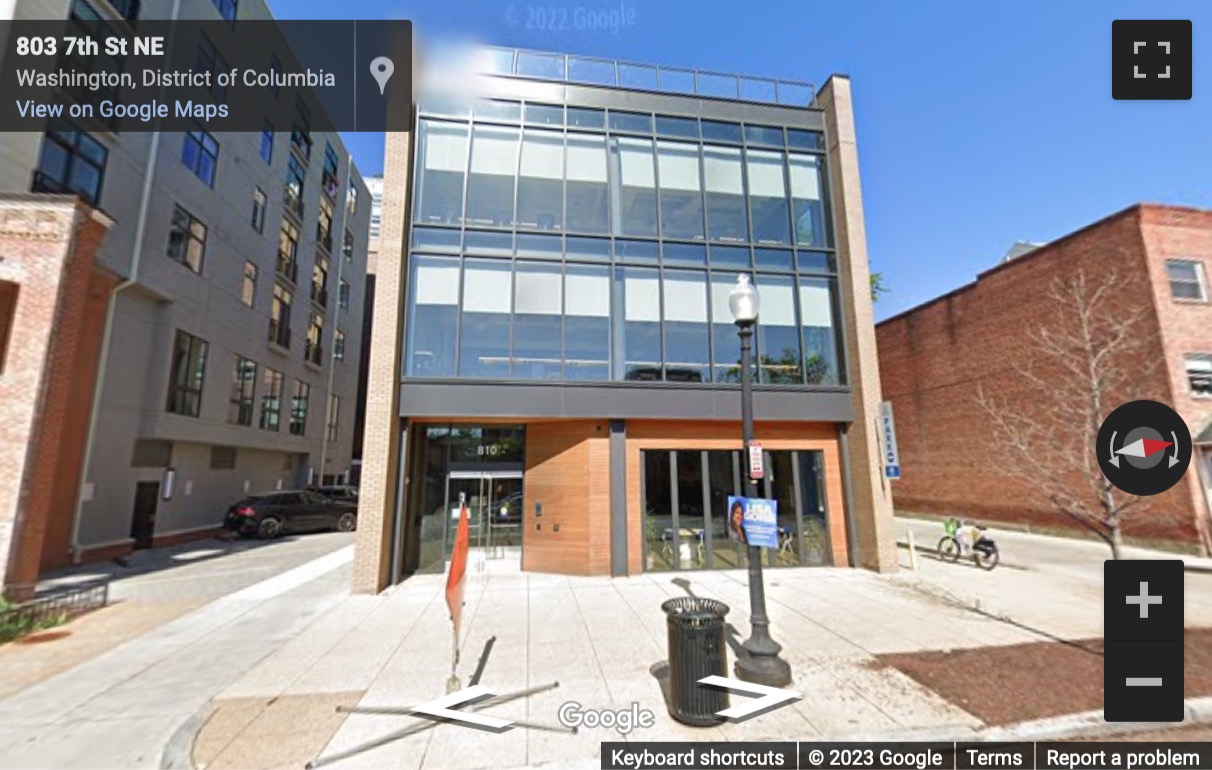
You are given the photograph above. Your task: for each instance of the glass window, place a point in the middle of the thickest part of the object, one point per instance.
(815, 261)
(730, 256)
(267, 143)
(725, 184)
(715, 131)
(687, 353)
(540, 65)
(538, 306)
(589, 249)
(186, 240)
(333, 428)
(1186, 279)
(658, 509)
(821, 361)
(509, 112)
(1199, 373)
(778, 338)
(630, 122)
(768, 136)
(541, 181)
(642, 252)
(248, 291)
(768, 197)
(489, 243)
(681, 191)
(587, 323)
(725, 344)
(548, 246)
(211, 62)
(260, 203)
(484, 323)
(582, 117)
(686, 128)
(637, 333)
(292, 188)
(313, 346)
(808, 201)
(805, 140)
(279, 316)
(436, 239)
(634, 196)
(243, 383)
(71, 161)
(587, 189)
(773, 259)
(494, 166)
(227, 8)
(200, 154)
(338, 345)
(691, 552)
(545, 114)
(686, 254)
(298, 408)
(433, 304)
(271, 399)
(187, 374)
(442, 156)
(449, 108)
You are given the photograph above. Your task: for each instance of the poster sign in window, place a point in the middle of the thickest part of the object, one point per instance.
(753, 521)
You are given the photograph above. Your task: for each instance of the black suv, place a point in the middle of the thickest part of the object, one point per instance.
(340, 493)
(273, 514)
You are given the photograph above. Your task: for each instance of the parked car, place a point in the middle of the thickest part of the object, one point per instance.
(339, 492)
(273, 514)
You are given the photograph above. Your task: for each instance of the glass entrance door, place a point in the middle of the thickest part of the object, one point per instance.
(494, 504)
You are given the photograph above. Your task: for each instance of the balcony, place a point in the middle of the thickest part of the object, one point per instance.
(324, 239)
(319, 294)
(279, 333)
(540, 65)
(293, 203)
(288, 268)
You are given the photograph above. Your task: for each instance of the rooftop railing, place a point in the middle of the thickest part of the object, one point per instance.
(569, 68)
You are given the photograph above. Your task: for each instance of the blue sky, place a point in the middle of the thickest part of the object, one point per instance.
(979, 123)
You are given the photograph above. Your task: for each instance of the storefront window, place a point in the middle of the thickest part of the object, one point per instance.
(658, 511)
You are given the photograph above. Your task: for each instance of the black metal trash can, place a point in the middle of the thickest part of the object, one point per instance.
(696, 650)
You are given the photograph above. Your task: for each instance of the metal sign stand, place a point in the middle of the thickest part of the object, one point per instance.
(397, 735)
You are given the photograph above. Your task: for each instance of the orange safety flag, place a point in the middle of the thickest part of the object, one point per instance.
(457, 576)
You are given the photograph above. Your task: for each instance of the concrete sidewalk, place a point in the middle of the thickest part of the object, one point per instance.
(598, 638)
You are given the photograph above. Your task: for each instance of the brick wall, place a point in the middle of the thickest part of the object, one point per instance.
(937, 358)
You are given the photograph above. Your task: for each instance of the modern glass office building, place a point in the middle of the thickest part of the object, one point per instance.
(563, 357)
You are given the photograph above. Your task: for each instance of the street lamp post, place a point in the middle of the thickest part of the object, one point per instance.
(760, 662)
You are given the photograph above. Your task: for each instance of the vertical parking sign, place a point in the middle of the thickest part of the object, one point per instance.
(892, 460)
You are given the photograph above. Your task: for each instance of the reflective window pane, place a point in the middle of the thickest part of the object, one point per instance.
(725, 344)
(773, 259)
(723, 179)
(586, 189)
(808, 201)
(588, 249)
(537, 320)
(684, 254)
(722, 481)
(596, 71)
(494, 164)
(584, 117)
(540, 65)
(489, 243)
(541, 181)
(815, 261)
(545, 246)
(637, 76)
(715, 131)
(768, 197)
(637, 324)
(508, 112)
(768, 136)
(730, 256)
(821, 361)
(638, 252)
(691, 539)
(433, 303)
(435, 239)
(587, 323)
(442, 157)
(687, 354)
(634, 201)
(630, 122)
(777, 332)
(805, 140)
(545, 114)
(658, 510)
(484, 325)
(686, 128)
(681, 191)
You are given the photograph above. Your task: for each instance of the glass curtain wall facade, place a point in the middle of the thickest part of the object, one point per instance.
(555, 243)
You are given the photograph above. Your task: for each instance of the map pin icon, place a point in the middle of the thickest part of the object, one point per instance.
(381, 68)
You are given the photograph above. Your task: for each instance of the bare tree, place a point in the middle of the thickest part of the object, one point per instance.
(1092, 356)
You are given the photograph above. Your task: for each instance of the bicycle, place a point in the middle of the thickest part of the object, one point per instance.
(984, 551)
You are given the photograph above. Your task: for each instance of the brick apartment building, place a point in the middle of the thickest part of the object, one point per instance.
(227, 348)
(936, 358)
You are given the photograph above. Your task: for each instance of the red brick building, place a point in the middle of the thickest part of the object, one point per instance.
(939, 360)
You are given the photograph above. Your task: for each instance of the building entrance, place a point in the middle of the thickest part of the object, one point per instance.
(494, 504)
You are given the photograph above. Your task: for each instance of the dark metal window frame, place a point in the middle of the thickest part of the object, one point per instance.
(183, 226)
(44, 180)
(271, 401)
(187, 377)
(204, 145)
(243, 391)
(298, 408)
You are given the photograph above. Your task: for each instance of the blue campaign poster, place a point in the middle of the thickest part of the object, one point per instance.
(753, 521)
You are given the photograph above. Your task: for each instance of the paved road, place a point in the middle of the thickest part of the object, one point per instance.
(122, 705)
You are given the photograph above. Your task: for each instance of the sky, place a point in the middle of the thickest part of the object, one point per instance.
(979, 123)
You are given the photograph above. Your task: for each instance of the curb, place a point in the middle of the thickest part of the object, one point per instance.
(179, 751)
